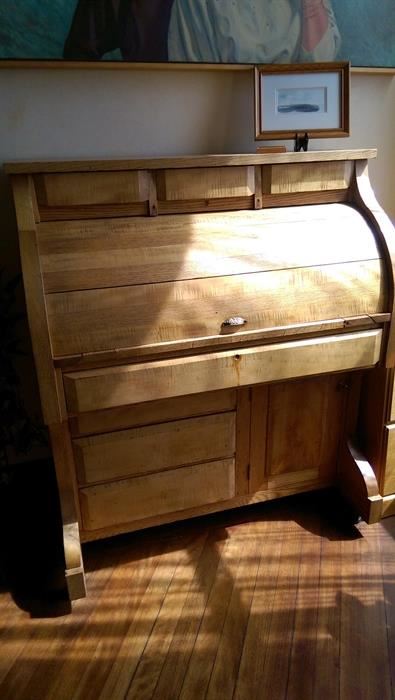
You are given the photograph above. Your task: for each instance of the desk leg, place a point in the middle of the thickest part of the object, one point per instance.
(64, 465)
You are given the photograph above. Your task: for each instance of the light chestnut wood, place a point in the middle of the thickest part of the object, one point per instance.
(359, 484)
(304, 427)
(293, 478)
(153, 412)
(174, 414)
(392, 410)
(259, 437)
(64, 465)
(95, 320)
(243, 439)
(74, 189)
(310, 177)
(364, 196)
(388, 507)
(301, 482)
(98, 389)
(230, 339)
(201, 183)
(166, 492)
(271, 149)
(95, 254)
(374, 414)
(389, 481)
(298, 199)
(196, 161)
(93, 211)
(190, 206)
(154, 448)
(258, 187)
(35, 300)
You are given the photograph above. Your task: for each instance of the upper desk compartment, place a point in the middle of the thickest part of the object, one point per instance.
(156, 255)
(136, 282)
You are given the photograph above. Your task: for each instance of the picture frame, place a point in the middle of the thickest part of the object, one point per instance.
(295, 99)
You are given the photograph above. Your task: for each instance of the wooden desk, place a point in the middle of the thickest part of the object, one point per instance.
(208, 332)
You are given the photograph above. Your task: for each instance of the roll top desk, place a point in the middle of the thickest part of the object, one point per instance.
(208, 332)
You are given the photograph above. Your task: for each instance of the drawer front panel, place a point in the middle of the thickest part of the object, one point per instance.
(117, 386)
(128, 500)
(308, 177)
(153, 412)
(155, 448)
(144, 315)
(205, 183)
(74, 189)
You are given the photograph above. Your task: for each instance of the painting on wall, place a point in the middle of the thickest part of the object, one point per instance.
(200, 31)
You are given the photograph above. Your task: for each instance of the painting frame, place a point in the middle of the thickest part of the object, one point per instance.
(282, 109)
(35, 37)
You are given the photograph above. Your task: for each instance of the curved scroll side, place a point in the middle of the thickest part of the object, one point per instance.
(362, 194)
(358, 483)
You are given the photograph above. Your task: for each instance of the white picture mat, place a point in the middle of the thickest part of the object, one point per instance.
(329, 118)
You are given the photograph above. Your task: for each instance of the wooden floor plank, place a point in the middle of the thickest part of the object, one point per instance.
(327, 655)
(280, 637)
(202, 659)
(251, 670)
(139, 623)
(362, 621)
(176, 663)
(285, 600)
(230, 642)
(304, 641)
(386, 541)
(148, 670)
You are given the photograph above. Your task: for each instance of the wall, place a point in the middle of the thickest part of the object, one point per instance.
(105, 113)
(93, 112)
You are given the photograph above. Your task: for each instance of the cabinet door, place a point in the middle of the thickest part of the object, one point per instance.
(295, 432)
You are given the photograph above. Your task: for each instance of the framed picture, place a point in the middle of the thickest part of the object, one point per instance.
(302, 98)
(191, 32)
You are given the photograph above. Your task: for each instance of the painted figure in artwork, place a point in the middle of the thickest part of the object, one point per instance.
(224, 31)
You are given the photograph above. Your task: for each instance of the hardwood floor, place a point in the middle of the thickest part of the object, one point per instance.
(283, 600)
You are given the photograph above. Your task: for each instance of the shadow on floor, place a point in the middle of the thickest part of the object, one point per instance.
(31, 551)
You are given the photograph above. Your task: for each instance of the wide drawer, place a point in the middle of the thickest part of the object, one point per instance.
(154, 448)
(142, 497)
(91, 390)
(148, 413)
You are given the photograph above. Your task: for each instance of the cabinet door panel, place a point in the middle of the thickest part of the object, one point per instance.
(296, 428)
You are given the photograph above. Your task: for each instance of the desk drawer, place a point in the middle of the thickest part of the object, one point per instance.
(154, 448)
(142, 497)
(92, 390)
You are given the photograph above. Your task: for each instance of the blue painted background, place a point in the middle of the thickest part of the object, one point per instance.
(367, 28)
(37, 29)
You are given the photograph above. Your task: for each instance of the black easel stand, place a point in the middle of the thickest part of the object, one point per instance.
(301, 142)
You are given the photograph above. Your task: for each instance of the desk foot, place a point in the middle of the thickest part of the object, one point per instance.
(358, 484)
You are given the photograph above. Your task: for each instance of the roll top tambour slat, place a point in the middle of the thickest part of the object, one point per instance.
(90, 255)
(146, 281)
(99, 320)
